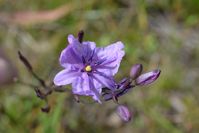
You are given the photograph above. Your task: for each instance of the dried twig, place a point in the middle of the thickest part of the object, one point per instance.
(29, 67)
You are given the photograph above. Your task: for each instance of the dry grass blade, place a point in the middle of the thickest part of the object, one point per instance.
(27, 18)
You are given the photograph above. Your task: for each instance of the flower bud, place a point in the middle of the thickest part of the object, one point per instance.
(125, 83)
(80, 36)
(147, 78)
(120, 89)
(136, 70)
(124, 113)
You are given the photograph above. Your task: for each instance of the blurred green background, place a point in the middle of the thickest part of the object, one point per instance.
(157, 33)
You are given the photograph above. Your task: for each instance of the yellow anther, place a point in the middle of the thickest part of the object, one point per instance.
(88, 68)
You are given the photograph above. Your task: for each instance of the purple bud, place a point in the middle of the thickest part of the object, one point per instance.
(147, 78)
(136, 70)
(120, 89)
(124, 113)
(125, 83)
(80, 36)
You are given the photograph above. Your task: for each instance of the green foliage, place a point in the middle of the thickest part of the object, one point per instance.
(159, 34)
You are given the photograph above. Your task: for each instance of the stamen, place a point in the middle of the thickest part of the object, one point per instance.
(88, 68)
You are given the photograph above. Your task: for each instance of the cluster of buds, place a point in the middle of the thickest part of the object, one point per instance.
(136, 78)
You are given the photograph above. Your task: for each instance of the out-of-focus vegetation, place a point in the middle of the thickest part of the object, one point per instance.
(157, 33)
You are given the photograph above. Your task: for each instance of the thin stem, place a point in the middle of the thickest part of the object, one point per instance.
(30, 69)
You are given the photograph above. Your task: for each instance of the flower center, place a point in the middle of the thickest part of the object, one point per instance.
(88, 68)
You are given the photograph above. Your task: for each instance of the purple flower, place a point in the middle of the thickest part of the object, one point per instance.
(124, 113)
(148, 78)
(89, 68)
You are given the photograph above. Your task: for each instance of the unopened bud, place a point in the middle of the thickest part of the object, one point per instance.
(80, 36)
(124, 113)
(147, 78)
(136, 70)
(125, 84)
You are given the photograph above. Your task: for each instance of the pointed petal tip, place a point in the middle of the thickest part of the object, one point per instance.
(56, 81)
(120, 44)
(71, 38)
